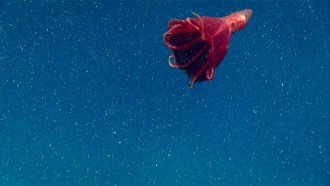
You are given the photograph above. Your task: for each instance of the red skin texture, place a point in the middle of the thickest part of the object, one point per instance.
(200, 44)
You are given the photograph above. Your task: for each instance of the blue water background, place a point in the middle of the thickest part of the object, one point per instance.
(87, 96)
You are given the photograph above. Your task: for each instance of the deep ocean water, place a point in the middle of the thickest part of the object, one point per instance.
(87, 96)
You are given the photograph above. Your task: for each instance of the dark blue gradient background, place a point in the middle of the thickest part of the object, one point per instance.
(87, 96)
